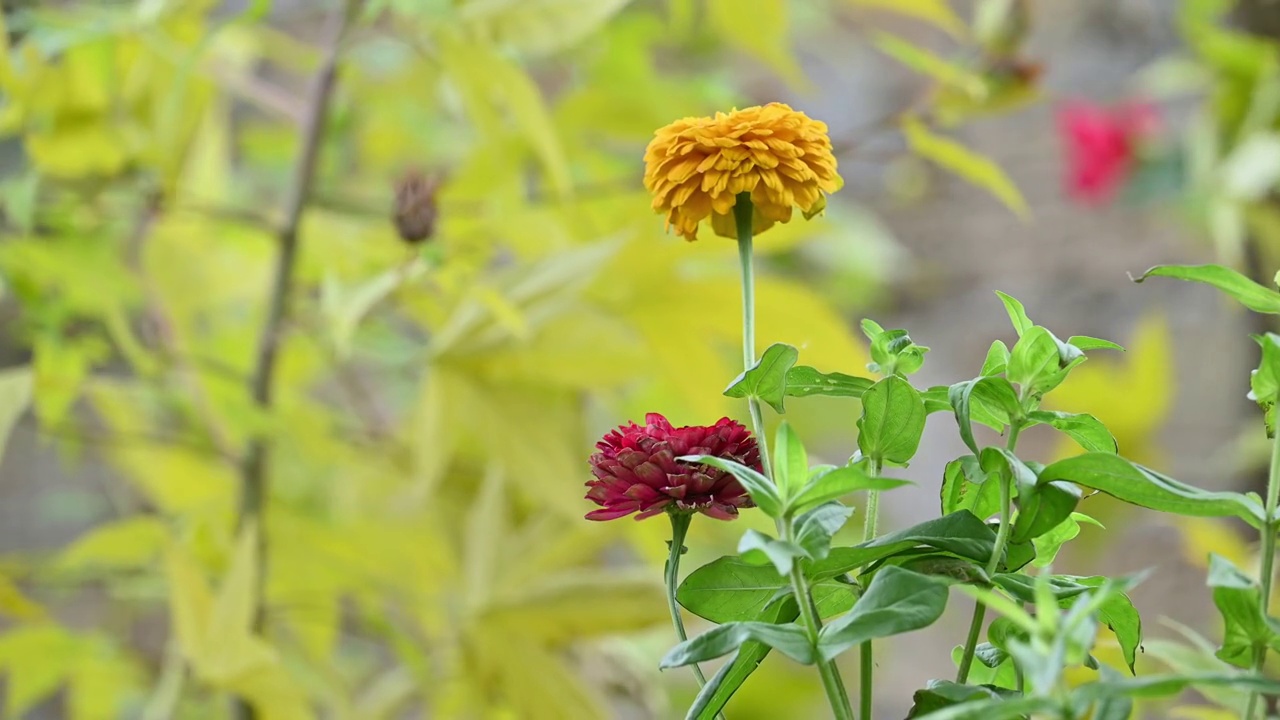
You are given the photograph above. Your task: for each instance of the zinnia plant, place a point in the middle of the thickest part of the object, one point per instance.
(797, 592)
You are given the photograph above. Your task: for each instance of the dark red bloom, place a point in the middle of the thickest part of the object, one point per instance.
(1102, 146)
(636, 470)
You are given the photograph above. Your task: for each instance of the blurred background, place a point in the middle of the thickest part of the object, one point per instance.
(311, 312)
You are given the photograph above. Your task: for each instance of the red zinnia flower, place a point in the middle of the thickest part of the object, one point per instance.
(636, 470)
(1102, 146)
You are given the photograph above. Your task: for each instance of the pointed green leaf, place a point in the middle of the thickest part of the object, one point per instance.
(995, 394)
(1239, 599)
(1264, 382)
(1147, 488)
(965, 487)
(892, 421)
(1084, 342)
(896, 601)
(789, 639)
(758, 548)
(716, 693)
(1247, 292)
(790, 461)
(1087, 430)
(965, 163)
(803, 381)
(997, 360)
(728, 589)
(1017, 313)
(815, 528)
(838, 482)
(959, 533)
(767, 379)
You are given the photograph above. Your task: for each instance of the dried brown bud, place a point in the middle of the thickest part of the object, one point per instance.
(415, 208)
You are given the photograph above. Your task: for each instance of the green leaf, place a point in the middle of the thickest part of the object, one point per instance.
(965, 487)
(815, 528)
(1022, 587)
(1048, 544)
(729, 589)
(1087, 430)
(838, 482)
(1017, 313)
(717, 692)
(1040, 361)
(758, 548)
(1118, 613)
(1239, 599)
(1147, 488)
(15, 395)
(959, 533)
(942, 694)
(1264, 382)
(763, 492)
(997, 359)
(1247, 292)
(790, 461)
(892, 421)
(893, 352)
(1041, 512)
(1152, 686)
(767, 379)
(1084, 342)
(927, 63)
(992, 709)
(967, 164)
(803, 381)
(993, 393)
(895, 602)
(789, 639)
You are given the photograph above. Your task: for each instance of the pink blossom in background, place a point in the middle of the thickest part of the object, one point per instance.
(1101, 146)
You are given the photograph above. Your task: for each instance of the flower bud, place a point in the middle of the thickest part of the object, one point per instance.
(415, 206)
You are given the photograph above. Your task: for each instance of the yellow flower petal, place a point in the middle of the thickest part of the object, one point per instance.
(696, 167)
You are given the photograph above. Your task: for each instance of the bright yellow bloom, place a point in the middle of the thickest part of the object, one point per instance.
(695, 167)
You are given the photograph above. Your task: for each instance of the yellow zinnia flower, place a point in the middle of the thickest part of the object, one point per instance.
(695, 167)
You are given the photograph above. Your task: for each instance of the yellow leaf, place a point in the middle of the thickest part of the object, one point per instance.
(491, 87)
(101, 683)
(190, 605)
(921, 60)
(565, 607)
(125, 544)
(537, 27)
(78, 150)
(15, 604)
(965, 163)
(36, 659)
(232, 647)
(15, 396)
(760, 27)
(936, 12)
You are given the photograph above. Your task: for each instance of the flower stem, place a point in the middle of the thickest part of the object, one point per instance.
(1267, 577)
(679, 526)
(997, 552)
(831, 681)
(867, 657)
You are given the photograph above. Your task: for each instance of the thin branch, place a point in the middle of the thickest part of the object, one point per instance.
(254, 469)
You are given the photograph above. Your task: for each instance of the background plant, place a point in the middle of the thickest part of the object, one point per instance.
(150, 150)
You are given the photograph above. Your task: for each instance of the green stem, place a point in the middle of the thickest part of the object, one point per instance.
(867, 657)
(831, 681)
(1269, 529)
(997, 552)
(679, 526)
